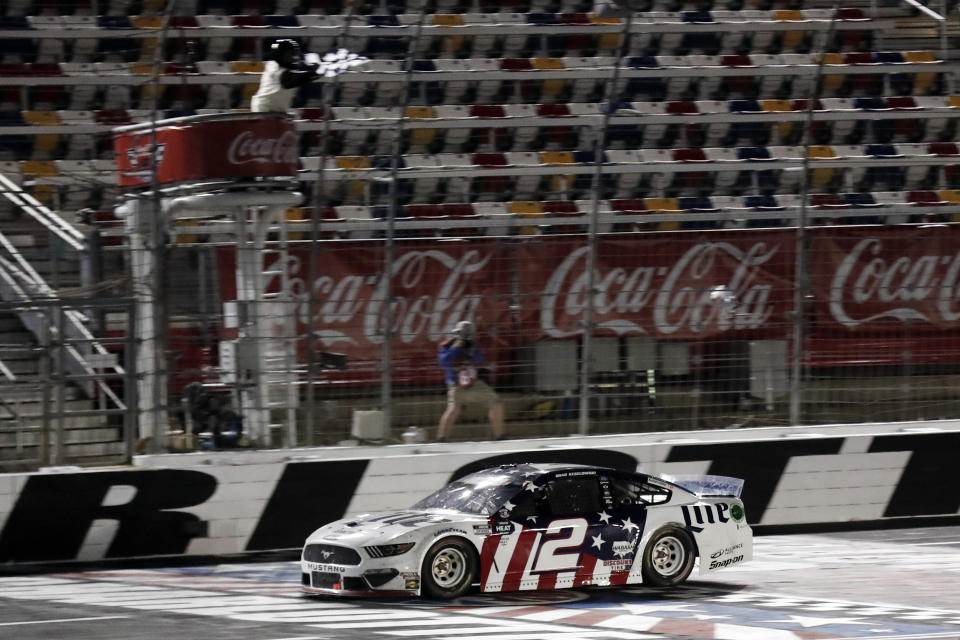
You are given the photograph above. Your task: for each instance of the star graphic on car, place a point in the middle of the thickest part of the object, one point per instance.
(604, 517)
(598, 542)
(509, 506)
(532, 519)
(531, 487)
(627, 525)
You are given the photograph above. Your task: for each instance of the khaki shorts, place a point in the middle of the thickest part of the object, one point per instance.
(477, 393)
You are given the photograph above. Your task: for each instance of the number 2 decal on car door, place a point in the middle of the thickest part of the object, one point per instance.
(560, 544)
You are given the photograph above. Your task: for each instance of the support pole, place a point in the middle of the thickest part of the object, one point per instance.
(801, 286)
(600, 145)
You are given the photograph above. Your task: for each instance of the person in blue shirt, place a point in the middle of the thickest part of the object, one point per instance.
(460, 356)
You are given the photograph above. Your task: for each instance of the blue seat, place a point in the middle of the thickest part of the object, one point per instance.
(543, 18)
(384, 162)
(753, 153)
(14, 23)
(871, 103)
(643, 62)
(383, 21)
(698, 204)
(114, 22)
(860, 201)
(588, 157)
(763, 203)
(880, 150)
(696, 16)
(744, 106)
(888, 57)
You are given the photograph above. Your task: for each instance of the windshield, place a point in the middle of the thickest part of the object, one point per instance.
(480, 494)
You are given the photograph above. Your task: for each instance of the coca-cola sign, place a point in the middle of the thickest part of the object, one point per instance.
(247, 147)
(879, 280)
(689, 290)
(202, 149)
(871, 292)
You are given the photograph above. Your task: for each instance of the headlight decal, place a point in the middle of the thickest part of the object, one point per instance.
(387, 550)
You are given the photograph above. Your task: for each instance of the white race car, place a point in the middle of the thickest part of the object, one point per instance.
(535, 526)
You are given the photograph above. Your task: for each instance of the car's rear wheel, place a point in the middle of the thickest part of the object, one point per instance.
(668, 558)
(449, 568)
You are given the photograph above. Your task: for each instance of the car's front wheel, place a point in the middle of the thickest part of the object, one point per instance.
(668, 558)
(449, 568)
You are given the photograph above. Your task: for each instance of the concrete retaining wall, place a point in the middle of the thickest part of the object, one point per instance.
(241, 502)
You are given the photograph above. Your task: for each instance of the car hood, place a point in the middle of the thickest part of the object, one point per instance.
(379, 528)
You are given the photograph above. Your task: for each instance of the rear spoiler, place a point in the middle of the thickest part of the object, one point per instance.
(706, 486)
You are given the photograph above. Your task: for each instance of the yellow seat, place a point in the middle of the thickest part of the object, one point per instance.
(664, 205)
(141, 68)
(788, 15)
(353, 162)
(821, 177)
(146, 22)
(556, 157)
(776, 105)
(295, 214)
(832, 83)
(547, 63)
(186, 238)
(39, 168)
(922, 82)
(527, 209)
(248, 66)
(42, 118)
(448, 19)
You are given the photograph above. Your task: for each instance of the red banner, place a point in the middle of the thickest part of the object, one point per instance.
(876, 293)
(198, 149)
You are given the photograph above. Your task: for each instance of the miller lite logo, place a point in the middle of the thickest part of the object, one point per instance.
(139, 158)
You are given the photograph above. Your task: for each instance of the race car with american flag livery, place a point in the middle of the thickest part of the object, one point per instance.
(535, 526)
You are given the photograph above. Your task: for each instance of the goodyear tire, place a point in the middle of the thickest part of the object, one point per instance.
(449, 568)
(668, 558)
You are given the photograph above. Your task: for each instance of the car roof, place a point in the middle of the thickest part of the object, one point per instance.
(525, 470)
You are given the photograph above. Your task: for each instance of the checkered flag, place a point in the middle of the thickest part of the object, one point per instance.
(335, 62)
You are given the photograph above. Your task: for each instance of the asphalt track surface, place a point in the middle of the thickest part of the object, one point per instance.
(891, 584)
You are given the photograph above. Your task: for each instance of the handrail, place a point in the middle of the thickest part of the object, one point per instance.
(623, 116)
(42, 214)
(370, 74)
(643, 22)
(22, 285)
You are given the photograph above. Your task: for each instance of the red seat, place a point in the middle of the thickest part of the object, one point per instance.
(490, 159)
(628, 205)
(112, 116)
(943, 149)
(689, 155)
(827, 201)
(564, 209)
(680, 107)
(313, 113)
(487, 111)
(736, 60)
(901, 102)
(801, 104)
(460, 212)
(248, 21)
(553, 110)
(184, 22)
(925, 198)
(516, 64)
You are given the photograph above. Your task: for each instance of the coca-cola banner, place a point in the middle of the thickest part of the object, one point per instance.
(678, 287)
(878, 295)
(197, 149)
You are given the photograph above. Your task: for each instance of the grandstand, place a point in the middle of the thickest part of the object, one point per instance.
(502, 123)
